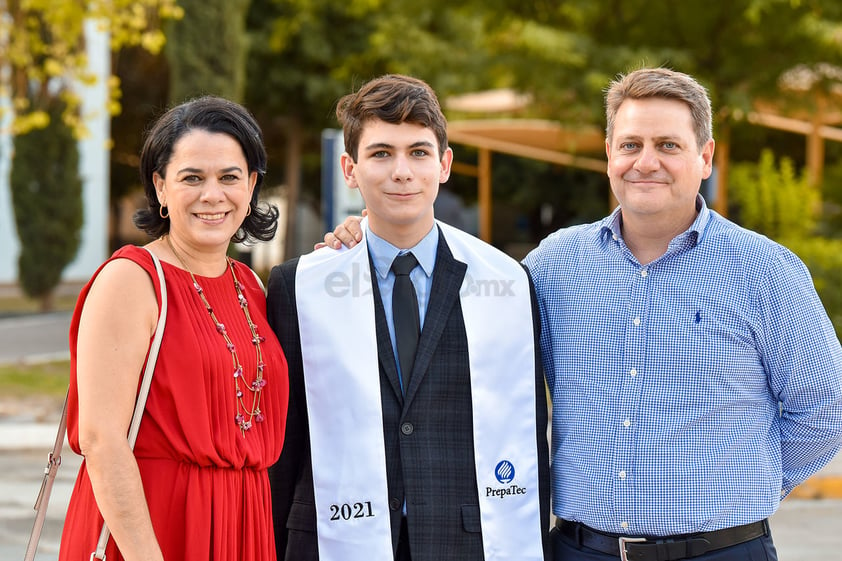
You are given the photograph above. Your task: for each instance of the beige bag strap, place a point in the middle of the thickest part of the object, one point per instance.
(140, 405)
(54, 458)
(50, 471)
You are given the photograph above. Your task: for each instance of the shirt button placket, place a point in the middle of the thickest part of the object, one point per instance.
(635, 345)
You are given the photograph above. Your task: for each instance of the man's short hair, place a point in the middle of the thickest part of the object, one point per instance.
(661, 83)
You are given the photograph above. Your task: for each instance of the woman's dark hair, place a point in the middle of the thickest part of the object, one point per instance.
(214, 115)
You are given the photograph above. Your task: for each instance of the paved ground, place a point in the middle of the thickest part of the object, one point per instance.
(33, 338)
(19, 483)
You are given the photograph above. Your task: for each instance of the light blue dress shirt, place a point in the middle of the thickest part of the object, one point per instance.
(689, 394)
(382, 254)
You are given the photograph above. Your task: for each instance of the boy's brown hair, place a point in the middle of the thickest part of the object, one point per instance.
(395, 99)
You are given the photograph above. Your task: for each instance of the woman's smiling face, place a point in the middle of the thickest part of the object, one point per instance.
(206, 188)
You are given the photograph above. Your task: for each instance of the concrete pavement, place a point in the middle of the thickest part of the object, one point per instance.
(22, 471)
(34, 338)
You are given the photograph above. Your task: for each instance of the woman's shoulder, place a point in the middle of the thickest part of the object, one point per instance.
(126, 272)
(135, 253)
(119, 259)
(129, 270)
(129, 263)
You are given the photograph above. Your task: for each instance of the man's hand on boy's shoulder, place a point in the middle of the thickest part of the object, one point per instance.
(349, 233)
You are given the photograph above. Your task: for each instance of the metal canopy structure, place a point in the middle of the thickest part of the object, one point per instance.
(543, 140)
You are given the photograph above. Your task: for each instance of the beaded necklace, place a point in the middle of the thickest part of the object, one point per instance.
(241, 419)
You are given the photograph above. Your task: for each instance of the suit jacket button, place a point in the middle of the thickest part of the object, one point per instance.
(407, 428)
(395, 504)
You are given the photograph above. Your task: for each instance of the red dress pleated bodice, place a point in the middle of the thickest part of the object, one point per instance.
(205, 483)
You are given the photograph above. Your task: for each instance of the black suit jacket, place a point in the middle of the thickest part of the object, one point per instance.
(428, 433)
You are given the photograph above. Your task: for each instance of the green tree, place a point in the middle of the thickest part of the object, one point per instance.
(832, 200)
(309, 52)
(144, 83)
(206, 49)
(47, 196)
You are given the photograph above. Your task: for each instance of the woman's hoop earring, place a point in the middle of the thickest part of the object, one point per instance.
(161, 210)
(248, 212)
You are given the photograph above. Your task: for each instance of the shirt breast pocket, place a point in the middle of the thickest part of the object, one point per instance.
(717, 346)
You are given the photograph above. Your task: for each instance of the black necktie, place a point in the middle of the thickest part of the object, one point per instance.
(405, 314)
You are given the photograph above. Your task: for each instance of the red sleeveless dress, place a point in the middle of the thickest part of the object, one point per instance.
(206, 485)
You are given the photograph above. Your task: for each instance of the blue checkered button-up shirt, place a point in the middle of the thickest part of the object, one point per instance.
(689, 394)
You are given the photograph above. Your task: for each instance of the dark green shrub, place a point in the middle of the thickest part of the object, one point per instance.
(773, 200)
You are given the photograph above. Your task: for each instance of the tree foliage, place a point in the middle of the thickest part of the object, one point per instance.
(310, 52)
(47, 196)
(206, 50)
(831, 216)
(144, 85)
(778, 202)
(42, 42)
(565, 52)
(306, 54)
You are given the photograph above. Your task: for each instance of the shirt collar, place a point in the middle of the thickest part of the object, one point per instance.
(610, 226)
(383, 253)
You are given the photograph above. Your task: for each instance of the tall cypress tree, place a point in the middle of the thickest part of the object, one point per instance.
(206, 49)
(47, 198)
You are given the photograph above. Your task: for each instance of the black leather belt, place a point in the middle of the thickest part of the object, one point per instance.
(673, 548)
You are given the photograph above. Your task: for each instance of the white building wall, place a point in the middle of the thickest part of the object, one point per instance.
(9, 245)
(94, 158)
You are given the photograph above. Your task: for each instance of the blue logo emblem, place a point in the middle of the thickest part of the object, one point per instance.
(504, 472)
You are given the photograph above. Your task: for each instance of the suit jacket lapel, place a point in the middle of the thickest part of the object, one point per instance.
(447, 280)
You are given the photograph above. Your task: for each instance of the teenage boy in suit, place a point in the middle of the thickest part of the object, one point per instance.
(427, 445)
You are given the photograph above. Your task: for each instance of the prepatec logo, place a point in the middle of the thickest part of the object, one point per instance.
(504, 472)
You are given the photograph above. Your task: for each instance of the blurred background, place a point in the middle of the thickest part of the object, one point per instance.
(521, 83)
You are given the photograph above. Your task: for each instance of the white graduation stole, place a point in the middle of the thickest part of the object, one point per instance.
(335, 304)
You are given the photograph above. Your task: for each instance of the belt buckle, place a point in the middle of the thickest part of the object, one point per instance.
(623, 541)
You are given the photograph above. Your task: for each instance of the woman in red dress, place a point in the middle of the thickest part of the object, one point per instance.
(195, 486)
